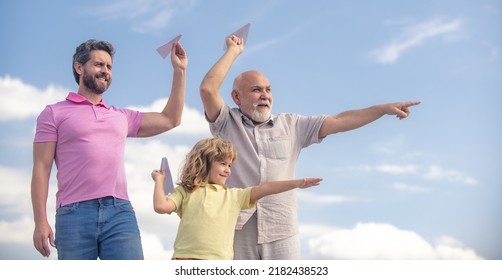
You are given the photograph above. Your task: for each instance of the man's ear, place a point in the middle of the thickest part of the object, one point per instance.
(235, 97)
(78, 67)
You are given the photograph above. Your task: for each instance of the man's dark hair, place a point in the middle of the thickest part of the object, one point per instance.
(83, 53)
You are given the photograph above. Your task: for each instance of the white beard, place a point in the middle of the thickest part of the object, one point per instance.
(261, 116)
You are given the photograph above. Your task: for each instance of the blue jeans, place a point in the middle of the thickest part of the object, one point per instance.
(104, 228)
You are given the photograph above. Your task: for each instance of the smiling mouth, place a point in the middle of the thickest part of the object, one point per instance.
(101, 77)
(263, 106)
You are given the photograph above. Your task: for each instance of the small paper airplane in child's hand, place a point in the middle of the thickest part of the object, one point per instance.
(241, 33)
(168, 183)
(165, 48)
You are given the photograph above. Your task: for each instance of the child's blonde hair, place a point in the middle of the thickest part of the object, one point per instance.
(195, 170)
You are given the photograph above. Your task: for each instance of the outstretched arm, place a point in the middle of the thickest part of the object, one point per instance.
(356, 118)
(161, 203)
(274, 187)
(170, 117)
(211, 84)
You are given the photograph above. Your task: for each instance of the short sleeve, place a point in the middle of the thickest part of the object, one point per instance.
(177, 197)
(46, 130)
(134, 119)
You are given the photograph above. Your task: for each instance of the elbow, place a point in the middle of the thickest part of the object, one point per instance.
(206, 88)
(161, 210)
(176, 122)
(171, 121)
(157, 209)
(204, 91)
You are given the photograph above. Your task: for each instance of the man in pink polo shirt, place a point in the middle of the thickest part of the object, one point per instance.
(85, 138)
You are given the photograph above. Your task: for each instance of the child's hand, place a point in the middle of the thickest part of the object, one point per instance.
(309, 182)
(158, 175)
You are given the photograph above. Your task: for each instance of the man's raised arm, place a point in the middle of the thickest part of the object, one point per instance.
(211, 84)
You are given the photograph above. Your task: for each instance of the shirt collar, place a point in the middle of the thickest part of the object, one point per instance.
(77, 98)
(214, 186)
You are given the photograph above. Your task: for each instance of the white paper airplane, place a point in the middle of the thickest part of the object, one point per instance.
(241, 33)
(165, 48)
(168, 183)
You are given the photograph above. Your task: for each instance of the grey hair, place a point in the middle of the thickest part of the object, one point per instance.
(83, 53)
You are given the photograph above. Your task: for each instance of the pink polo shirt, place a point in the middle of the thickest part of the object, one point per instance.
(90, 147)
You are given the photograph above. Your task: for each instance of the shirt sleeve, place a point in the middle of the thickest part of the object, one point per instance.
(308, 128)
(134, 119)
(46, 130)
(219, 124)
(245, 198)
(177, 197)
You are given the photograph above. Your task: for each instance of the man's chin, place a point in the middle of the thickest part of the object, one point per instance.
(259, 118)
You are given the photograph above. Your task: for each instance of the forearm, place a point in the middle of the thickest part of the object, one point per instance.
(43, 157)
(273, 187)
(159, 198)
(350, 120)
(212, 81)
(161, 203)
(174, 107)
(39, 194)
(356, 118)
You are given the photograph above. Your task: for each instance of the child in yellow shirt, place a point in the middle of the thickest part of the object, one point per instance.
(207, 209)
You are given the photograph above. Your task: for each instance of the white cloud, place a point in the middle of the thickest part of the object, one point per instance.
(393, 169)
(309, 197)
(17, 231)
(433, 172)
(193, 122)
(15, 193)
(19, 101)
(15, 186)
(436, 172)
(146, 16)
(15, 203)
(414, 36)
(449, 248)
(153, 249)
(397, 168)
(371, 241)
(410, 188)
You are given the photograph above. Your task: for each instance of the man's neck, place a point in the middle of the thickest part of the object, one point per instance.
(93, 97)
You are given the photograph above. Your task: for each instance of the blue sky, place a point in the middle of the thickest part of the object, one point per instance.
(428, 187)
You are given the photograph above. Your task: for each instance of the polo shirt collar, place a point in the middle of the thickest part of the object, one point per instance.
(77, 98)
(214, 186)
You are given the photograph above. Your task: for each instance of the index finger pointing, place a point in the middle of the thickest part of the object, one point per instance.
(412, 103)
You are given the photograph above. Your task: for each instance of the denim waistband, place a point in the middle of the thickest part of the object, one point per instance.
(105, 201)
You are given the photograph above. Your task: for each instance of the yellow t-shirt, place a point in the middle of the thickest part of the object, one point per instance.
(208, 218)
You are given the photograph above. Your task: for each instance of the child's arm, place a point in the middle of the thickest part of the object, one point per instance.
(161, 203)
(281, 186)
